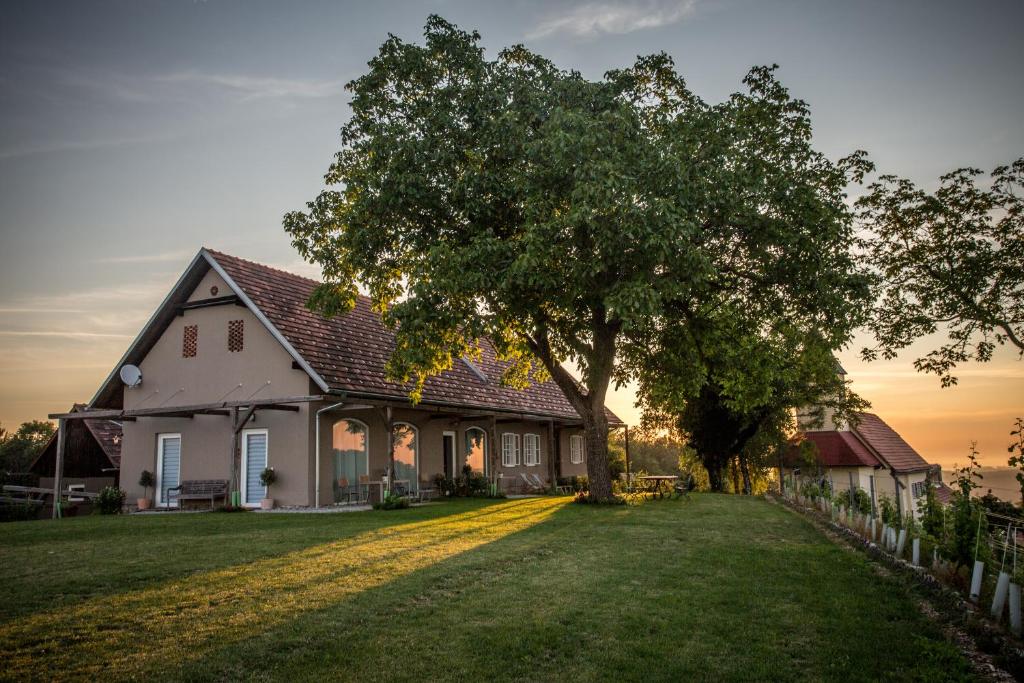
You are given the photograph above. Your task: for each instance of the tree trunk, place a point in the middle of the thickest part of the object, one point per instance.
(735, 471)
(716, 482)
(745, 471)
(595, 433)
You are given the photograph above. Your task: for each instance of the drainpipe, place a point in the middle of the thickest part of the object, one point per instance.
(316, 494)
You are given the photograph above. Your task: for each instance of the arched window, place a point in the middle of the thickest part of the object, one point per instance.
(406, 440)
(476, 449)
(351, 459)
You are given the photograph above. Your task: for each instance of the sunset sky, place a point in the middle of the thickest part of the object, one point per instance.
(133, 133)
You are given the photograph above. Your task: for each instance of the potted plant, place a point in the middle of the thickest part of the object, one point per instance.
(146, 481)
(267, 477)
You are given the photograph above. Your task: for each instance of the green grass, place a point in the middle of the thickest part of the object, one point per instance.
(721, 587)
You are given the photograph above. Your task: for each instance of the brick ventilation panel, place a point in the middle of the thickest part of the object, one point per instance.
(236, 335)
(190, 341)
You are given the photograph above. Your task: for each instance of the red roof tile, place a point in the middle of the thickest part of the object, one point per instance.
(841, 449)
(349, 352)
(888, 445)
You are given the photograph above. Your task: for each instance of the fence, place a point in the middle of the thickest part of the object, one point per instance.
(998, 541)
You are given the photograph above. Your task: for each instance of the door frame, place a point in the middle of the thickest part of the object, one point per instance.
(455, 450)
(245, 462)
(160, 439)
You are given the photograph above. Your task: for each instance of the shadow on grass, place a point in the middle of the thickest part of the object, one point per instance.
(183, 620)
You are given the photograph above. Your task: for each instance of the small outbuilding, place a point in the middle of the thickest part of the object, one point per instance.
(92, 457)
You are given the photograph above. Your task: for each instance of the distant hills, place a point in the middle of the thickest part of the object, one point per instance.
(1001, 480)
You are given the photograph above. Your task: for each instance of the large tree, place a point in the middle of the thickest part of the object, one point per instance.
(732, 383)
(19, 448)
(951, 261)
(560, 216)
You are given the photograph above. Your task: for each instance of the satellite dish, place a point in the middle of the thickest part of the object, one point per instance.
(131, 375)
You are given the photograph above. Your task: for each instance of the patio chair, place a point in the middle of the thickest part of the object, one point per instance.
(364, 488)
(530, 486)
(347, 491)
(682, 488)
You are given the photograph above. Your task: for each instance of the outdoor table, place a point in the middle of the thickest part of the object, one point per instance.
(658, 485)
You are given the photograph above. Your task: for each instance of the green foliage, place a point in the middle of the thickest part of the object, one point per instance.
(949, 259)
(965, 539)
(392, 501)
(931, 513)
(18, 512)
(616, 461)
(651, 451)
(1016, 451)
(268, 477)
(147, 481)
(231, 508)
(109, 501)
(468, 484)
(887, 510)
(20, 448)
(578, 222)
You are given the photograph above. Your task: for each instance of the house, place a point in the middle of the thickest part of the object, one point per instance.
(238, 375)
(92, 455)
(869, 455)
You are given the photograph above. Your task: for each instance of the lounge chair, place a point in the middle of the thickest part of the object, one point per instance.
(531, 486)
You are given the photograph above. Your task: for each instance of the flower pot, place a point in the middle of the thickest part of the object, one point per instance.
(143, 503)
(267, 504)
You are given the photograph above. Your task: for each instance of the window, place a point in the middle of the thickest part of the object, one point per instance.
(406, 444)
(531, 450)
(351, 460)
(190, 341)
(919, 488)
(576, 449)
(509, 450)
(475, 449)
(236, 335)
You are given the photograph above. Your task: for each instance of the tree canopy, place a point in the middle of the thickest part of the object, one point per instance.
(19, 448)
(567, 219)
(950, 261)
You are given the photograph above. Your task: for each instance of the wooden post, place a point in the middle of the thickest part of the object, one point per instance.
(58, 470)
(629, 485)
(853, 497)
(492, 439)
(899, 495)
(232, 480)
(552, 474)
(389, 426)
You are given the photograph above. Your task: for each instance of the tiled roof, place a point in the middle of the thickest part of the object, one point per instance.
(841, 449)
(349, 352)
(107, 434)
(888, 445)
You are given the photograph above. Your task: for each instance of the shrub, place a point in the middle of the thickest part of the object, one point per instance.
(268, 477)
(17, 512)
(392, 501)
(109, 501)
(147, 481)
(230, 508)
(887, 510)
(584, 498)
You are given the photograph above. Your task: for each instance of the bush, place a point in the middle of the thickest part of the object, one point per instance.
(584, 498)
(109, 501)
(17, 512)
(268, 476)
(392, 501)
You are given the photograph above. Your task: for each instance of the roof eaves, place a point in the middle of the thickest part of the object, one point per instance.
(145, 328)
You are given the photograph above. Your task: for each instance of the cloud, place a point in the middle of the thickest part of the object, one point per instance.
(63, 334)
(598, 18)
(180, 256)
(258, 87)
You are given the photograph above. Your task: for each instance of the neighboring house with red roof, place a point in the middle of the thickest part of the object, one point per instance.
(869, 455)
(238, 374)
(92, 456)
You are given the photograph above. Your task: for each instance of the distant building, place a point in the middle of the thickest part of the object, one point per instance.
(92, 458)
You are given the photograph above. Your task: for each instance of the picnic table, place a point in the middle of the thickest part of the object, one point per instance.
(657, 484)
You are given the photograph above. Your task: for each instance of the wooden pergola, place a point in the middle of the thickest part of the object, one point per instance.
(239, 411)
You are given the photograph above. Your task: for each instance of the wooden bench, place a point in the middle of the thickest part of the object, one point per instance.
(199, 489)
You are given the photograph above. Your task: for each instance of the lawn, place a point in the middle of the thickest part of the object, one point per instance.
(720, 587)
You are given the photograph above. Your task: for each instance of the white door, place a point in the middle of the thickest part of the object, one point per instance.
(168, 466)
(254, 461)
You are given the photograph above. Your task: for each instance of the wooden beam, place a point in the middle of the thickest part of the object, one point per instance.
(177, 410)
(58, 470)
(389, 426)
(230, 299)
(288, 408)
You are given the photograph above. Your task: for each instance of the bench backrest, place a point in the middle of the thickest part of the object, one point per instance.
(204, 486)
